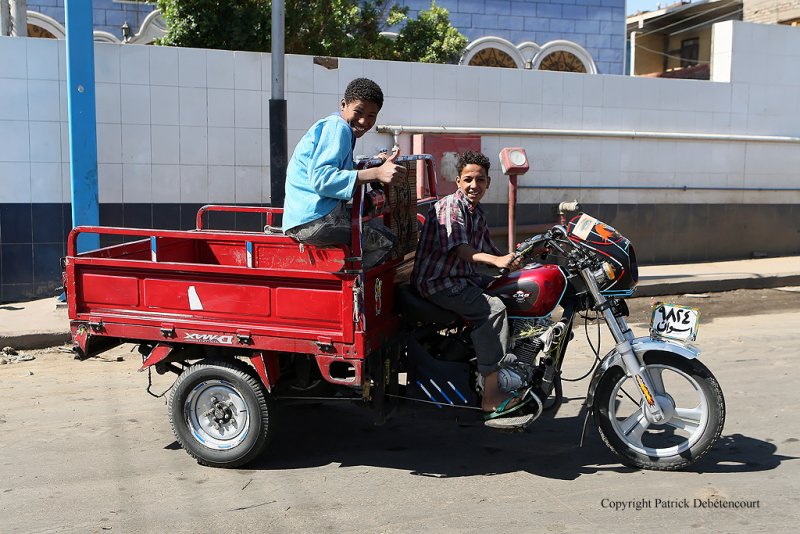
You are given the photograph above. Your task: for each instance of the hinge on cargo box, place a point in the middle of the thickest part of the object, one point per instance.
(325, 344)
(95, 325)
(168, 330)
(357, 294)
(244, 337)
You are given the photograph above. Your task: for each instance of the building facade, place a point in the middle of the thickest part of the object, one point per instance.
(594, 25)
(109, 15)
(772, 11)
(675, 42)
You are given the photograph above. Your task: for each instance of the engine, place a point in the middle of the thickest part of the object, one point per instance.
(526, 338)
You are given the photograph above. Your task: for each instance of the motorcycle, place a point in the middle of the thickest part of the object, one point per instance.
(655, 404)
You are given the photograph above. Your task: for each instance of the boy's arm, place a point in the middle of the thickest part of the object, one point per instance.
(454, 236)
(467, 253)
(330, 171)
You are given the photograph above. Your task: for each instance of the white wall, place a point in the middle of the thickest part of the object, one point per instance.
(187, 125)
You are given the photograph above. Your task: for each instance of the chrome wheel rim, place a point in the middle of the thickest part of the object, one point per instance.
(686, 411)
(217, 414)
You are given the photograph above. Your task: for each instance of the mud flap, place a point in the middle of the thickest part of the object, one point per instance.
(86, 345)
(383, 369)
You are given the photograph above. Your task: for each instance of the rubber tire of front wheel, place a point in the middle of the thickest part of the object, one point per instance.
(243, 378)
(710, 389)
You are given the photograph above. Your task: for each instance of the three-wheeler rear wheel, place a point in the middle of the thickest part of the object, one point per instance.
(220, 413)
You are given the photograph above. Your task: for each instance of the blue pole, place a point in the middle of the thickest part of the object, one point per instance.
(82, 119)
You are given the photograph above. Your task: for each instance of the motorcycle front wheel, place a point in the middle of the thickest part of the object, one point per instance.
(694, 413)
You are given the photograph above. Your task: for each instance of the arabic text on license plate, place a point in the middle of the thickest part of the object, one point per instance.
(674, 322)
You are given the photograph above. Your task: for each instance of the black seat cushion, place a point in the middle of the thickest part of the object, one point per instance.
(418, 309)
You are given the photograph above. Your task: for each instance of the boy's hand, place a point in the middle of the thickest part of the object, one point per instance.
(391, 173)
(383, 154)
(387, 173)
(509, 261)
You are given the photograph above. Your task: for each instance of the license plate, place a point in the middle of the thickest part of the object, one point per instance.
(672, 321)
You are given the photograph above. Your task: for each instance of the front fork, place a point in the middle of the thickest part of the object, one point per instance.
(634, 366)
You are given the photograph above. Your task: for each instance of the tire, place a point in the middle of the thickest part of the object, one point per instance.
(242, 429)
(693, 404)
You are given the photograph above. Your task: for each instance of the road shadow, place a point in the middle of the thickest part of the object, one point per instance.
(434, 443)
(427, 442)
(740, 454)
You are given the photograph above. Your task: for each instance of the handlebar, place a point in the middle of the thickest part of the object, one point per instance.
(534, 242)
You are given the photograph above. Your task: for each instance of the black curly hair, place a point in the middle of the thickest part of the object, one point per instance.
(365, 90)
(472, 157)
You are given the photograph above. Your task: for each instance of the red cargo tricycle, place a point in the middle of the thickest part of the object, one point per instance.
(249, 319)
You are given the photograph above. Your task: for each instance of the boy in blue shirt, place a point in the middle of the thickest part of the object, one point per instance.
(320, 179)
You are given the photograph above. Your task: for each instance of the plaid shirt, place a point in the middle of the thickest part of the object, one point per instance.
(451, 222)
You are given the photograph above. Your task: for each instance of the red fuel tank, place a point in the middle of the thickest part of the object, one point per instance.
(533, 291)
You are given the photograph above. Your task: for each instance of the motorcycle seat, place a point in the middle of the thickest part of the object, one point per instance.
(418, 309)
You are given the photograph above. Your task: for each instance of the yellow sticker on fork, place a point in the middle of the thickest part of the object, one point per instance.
(646, 392)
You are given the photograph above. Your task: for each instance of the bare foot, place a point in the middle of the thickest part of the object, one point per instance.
(493, 396)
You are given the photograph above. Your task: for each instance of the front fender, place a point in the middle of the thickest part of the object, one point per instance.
(641, 346)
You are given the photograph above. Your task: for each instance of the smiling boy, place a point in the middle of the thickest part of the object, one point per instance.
(454, 238)
(320, 178)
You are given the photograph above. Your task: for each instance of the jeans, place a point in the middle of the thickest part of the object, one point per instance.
(488, 317)
(334, 229)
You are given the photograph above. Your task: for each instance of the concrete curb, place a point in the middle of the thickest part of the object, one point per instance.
(39, 340)
(676, 287)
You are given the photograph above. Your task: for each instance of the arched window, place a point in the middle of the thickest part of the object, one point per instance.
(492, 52)
(45, 27)
(564, 56)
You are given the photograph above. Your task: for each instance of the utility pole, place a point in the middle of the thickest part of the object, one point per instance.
(82, 119)
(278, 141)
(19, 18)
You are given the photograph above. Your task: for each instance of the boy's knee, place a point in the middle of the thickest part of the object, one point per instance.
(496, 306)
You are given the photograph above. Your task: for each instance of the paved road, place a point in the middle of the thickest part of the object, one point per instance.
(85, 449)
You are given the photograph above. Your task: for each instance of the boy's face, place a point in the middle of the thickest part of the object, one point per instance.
(360, 115)
(473, 182)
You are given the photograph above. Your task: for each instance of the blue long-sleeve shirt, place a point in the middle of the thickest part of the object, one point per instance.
(320, 173)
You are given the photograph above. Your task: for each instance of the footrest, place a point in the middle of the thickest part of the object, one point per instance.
(513, 423)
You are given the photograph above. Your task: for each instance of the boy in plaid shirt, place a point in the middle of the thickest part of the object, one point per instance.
(454, 238)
